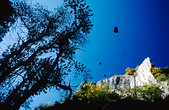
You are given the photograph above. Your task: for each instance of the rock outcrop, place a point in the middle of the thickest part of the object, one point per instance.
(118, 81)
(143, 76)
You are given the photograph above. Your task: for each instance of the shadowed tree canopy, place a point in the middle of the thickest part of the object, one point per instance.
(44, 52)
(7, 17)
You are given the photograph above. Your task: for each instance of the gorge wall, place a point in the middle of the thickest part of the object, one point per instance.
(142, 76)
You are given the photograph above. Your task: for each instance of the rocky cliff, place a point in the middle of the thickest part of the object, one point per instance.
(142, 76)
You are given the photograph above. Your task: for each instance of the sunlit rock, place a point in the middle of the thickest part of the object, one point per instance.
(144, 75)
(118, 81)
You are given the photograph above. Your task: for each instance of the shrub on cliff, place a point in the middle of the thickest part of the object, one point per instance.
(131, 71)
(93, 97)
(149, 93)
(161, 74)
(156, 71)
(163, 77)
(96, 94)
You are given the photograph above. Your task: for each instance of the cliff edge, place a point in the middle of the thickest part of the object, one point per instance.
(143, 76)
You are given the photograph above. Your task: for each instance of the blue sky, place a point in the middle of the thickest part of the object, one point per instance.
(143, 32)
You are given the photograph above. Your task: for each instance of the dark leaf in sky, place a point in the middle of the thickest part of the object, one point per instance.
(116, 29)
(104, 75)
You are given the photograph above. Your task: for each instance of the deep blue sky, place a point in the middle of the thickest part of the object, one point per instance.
(143, 32)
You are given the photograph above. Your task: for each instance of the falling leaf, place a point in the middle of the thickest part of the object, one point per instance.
(116, 29)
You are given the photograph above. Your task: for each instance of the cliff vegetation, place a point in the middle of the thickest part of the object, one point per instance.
(93, 97)
(114, 92)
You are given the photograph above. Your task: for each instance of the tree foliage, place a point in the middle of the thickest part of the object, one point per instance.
(7, 17)
(94, 94)
(131, 71)
(156, 71)
(161, 74)
(44, 54)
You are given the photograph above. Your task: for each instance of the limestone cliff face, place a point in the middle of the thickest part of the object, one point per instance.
(118, 81)
(143, 76)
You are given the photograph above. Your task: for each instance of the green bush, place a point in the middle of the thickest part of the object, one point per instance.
(162, 77)
(149, 93)
(94, 97)
(131, 71)
(161, 74)
(94, 93)
(156, 71)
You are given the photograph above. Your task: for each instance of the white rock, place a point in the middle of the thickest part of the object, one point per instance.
(144, 75)
(118, 81)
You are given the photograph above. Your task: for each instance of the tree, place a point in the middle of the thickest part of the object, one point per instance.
(7, 17)
(43, 55)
